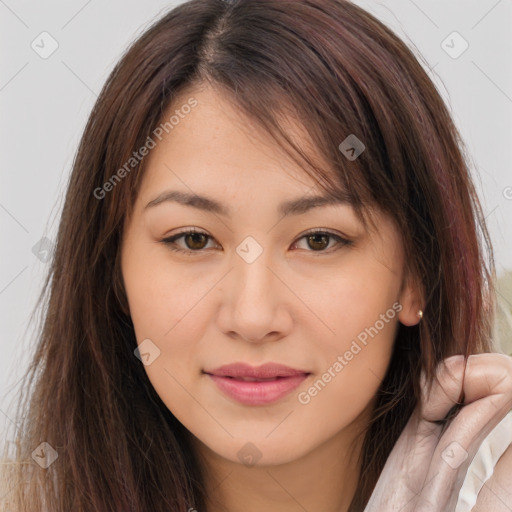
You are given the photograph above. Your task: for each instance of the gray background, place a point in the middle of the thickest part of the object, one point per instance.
(45, 103)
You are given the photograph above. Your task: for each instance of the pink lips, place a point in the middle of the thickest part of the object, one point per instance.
(257, 385)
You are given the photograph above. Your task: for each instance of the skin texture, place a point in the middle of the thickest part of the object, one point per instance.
(293, 305)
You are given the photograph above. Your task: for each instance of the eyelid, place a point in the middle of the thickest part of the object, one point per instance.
(328, 231)
(169, 241)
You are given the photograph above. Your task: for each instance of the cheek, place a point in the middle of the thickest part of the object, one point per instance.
(359, 310)
(168, 306)
(161, 296)
(356, 299)
(354, 363)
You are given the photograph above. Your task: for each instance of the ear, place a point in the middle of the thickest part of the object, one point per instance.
(412, 301)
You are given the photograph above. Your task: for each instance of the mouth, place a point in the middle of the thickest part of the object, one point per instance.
(256, 385)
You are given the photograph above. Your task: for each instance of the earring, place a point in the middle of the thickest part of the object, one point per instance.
(420, 314)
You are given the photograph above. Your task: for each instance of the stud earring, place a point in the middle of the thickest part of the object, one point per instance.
(420, 314)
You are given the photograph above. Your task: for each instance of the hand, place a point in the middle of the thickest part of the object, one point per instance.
(427, 466)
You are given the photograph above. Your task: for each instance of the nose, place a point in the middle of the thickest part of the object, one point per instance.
(255, 304)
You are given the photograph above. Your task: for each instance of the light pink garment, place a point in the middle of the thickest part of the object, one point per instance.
(482, 466)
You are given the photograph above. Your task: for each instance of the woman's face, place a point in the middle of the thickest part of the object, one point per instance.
(252, 287)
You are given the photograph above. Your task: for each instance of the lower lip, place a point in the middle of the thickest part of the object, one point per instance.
(258, 393)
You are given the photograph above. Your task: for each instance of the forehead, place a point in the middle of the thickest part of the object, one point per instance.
(215, 144)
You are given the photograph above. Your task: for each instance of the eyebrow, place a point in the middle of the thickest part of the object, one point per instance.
(293, 207)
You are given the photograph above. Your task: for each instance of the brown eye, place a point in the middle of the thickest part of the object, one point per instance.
(319, 241)
(194, 242)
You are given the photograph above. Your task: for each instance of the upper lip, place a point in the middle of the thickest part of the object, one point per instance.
(264, 371)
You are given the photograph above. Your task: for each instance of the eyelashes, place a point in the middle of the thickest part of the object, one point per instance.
(195, 234)
(317, 238)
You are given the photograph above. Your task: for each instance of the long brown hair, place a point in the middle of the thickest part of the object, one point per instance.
(338, 71)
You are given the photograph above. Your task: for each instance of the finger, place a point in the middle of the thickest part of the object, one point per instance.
(445, 390)
(487, 374)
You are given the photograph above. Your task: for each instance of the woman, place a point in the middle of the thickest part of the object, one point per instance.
(269, 289)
